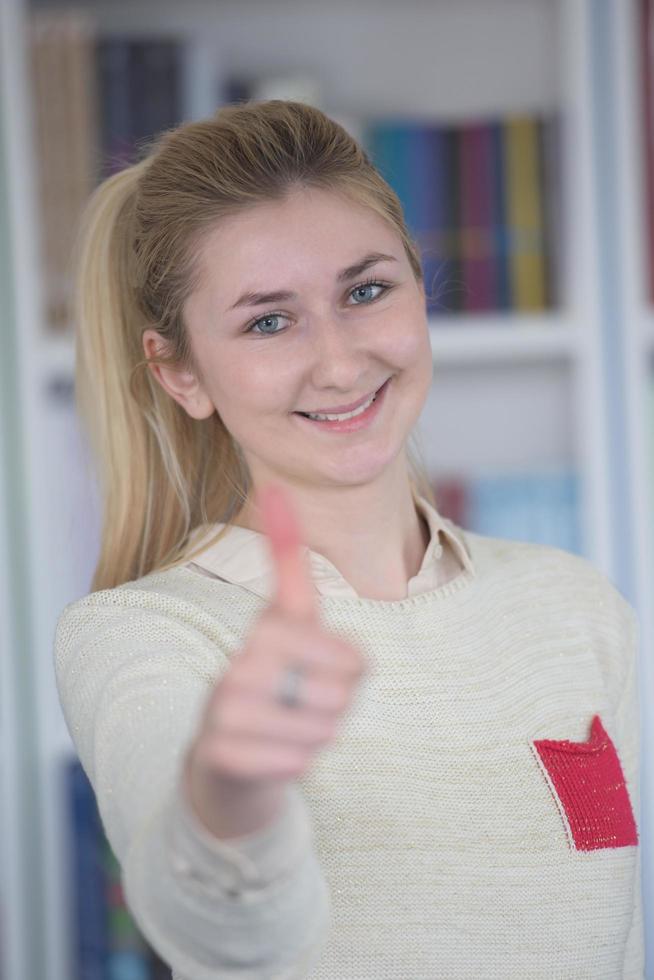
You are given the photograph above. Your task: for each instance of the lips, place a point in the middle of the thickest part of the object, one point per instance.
(343, 408)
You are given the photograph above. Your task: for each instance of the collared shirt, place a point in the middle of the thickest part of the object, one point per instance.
(243, 557)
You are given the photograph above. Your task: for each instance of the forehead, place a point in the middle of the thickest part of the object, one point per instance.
(312, 232)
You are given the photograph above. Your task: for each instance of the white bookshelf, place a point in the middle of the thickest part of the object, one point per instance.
(509, 391)
(26, 688)
(637, 328)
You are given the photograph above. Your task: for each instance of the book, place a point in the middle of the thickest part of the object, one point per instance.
(107, 944)
(523, 184)
(540, 507)
(140, 92)
(61, 53)
(500, 230)
(478, 220)
(480, 200)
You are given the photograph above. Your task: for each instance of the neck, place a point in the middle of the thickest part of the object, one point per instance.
(374, 534)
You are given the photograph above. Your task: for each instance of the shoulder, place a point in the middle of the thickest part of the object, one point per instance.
(565, 597)
(541, 570)
(171, 609)
(507, 555)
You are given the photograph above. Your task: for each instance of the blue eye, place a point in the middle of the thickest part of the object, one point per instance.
(275, 316)
(264, 319)
(368, 285)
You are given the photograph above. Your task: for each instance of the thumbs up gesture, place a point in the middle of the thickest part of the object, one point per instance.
(251, 741)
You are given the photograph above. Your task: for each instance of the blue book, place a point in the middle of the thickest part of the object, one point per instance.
(115, 99)
(500, 219)
(537, 507)
(91, 933)
(429, 165)
(155, 83)
(108, 943)
(452, 288)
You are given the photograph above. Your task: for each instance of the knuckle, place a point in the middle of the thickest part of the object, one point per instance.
(223, 717)
(275, 640)
(322, 731)
(338, 696)
(223, 760)
(242, 677)
(296, 760)
(231, 679)
(350, 656)
(329, 730)
(342, 698)
(213, 727)
(270, 626)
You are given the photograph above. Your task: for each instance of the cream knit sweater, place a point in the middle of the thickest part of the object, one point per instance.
(477, 817)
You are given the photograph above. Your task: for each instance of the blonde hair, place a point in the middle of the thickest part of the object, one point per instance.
(161, 472)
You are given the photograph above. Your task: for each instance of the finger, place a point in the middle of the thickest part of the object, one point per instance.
(245, 717)
(278, 641)
(320, 689)
(294, 593)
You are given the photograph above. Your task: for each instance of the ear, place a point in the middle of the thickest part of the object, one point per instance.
(181, 385)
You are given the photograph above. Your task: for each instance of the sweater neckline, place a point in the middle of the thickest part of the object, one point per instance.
(443, 591)
(454, 533)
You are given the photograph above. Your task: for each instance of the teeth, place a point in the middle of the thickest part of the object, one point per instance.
(345, 415)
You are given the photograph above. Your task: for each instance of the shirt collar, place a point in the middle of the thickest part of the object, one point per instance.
(242, 557)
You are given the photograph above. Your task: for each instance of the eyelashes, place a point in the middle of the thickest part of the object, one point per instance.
(385, 287)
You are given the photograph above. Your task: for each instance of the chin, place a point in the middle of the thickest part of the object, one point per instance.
(362, 465)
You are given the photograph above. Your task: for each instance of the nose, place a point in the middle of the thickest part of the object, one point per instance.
(339, 359)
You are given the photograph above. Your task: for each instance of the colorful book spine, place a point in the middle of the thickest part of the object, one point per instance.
(552, 196)
(140, 95)
(91, 940)
(477, 219)
(155, 72)
(542, 508)
(432, 234)
(113, 83)
(524, 214)
(451, 494)
(499, 219)
(107, 943)
(452, 290)
(482, 202)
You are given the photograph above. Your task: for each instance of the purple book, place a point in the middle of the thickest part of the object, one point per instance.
(477, 229)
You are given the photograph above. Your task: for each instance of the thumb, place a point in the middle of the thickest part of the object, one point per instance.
(294, 590)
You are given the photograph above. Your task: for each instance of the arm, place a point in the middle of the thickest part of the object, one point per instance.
(133, 672)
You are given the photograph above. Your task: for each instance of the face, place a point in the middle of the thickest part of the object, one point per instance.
(337, 339)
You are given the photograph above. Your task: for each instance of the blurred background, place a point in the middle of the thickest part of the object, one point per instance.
(518, 136)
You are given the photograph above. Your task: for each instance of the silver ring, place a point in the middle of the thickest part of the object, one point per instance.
(288, 690)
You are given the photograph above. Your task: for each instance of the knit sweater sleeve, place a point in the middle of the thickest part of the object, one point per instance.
(133, 669)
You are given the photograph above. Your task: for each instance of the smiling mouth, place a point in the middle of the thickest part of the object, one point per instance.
(368, 400)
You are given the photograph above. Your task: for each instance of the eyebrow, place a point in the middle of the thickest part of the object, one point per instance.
(350, 272)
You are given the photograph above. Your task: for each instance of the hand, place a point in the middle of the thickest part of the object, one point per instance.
(249, 744)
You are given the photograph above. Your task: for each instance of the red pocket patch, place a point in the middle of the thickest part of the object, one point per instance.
(590, 789)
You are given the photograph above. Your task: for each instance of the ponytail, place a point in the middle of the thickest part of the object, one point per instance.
(151, 456)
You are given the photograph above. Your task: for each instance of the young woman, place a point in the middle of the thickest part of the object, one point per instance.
(331, 734)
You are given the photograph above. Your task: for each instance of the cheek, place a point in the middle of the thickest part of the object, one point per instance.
(253, 386)
(412, 356)
(410, 344)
